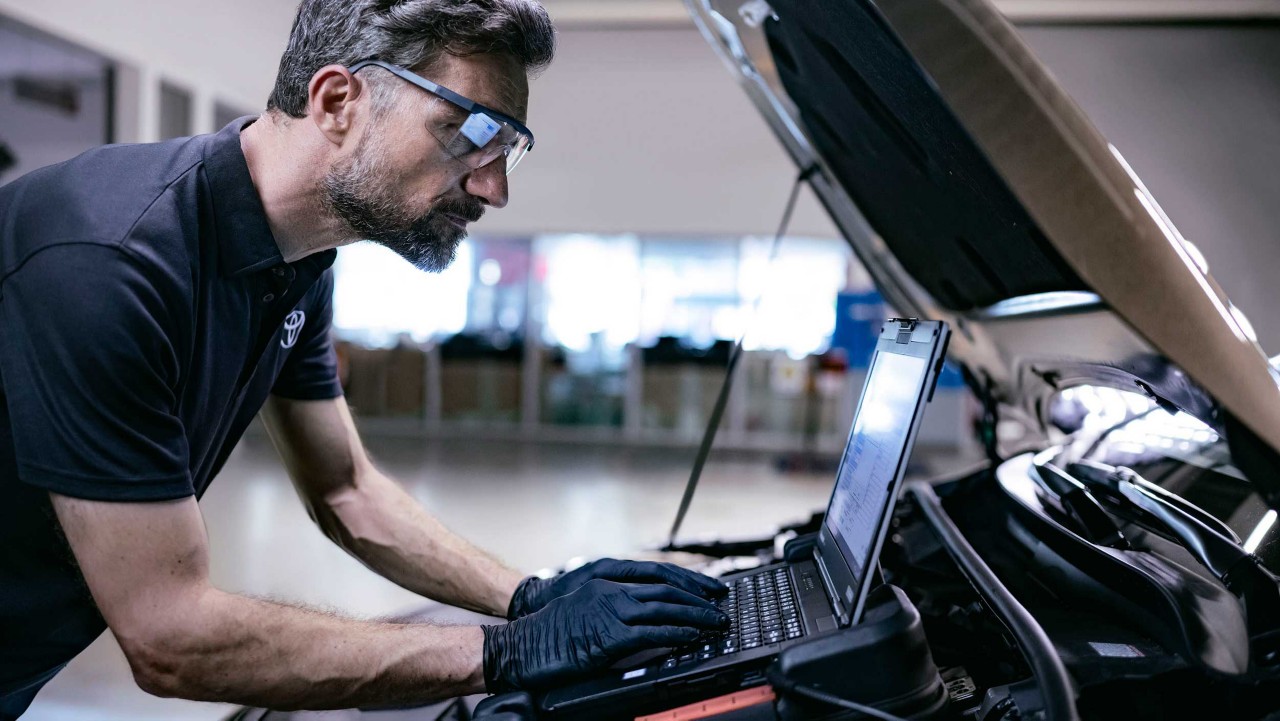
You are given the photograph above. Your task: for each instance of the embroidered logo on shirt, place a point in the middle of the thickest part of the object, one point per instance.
(292, 328)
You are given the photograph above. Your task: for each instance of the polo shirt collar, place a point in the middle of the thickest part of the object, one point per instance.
(245, 242)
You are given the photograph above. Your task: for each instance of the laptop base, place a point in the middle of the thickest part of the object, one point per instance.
(625, 692)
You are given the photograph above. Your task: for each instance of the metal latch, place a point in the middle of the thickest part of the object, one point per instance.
(905, 327)
(755, 12)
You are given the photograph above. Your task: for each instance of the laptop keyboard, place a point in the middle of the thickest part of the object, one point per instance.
(762, 609)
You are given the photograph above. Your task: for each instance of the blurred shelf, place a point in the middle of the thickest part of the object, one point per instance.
(776, 404)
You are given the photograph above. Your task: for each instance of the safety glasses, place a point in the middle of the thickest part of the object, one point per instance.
(480, 136)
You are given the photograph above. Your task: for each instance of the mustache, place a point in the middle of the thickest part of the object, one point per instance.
(468, 209)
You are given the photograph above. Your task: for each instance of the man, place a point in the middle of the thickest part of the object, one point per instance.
(154, 298)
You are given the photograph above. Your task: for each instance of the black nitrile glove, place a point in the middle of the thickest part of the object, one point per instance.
(533, 593)
(590, 628)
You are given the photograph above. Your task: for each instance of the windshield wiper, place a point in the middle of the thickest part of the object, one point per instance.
(1077, 502)
(1139, 501)
(1105, 476)
(1241, 572)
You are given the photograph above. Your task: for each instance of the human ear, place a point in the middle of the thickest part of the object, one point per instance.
(333, 97)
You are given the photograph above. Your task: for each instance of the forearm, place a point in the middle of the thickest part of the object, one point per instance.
(216, 646)
(380, 524)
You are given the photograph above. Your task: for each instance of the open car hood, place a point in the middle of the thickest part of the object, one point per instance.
(975, 191)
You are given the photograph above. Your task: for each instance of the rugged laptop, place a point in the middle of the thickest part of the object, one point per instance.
(782, 604)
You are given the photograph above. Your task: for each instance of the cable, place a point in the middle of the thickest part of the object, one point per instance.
(780, 682)
(722, 400)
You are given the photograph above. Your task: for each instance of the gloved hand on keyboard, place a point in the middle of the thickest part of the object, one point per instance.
(588, 629)
(533, 593)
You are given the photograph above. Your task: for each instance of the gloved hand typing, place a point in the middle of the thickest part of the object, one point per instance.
(533, 593)
(595, 625)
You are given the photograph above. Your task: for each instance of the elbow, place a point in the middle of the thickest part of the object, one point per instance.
(348, 515)
(176, 655)
(332, 512)
(332, 504)
(175, 670)
(157, 667)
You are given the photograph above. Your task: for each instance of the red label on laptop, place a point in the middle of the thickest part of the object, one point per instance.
(716, 706)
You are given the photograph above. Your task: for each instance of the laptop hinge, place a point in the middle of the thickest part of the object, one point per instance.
(830, 587)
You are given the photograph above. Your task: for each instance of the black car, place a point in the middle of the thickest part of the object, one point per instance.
(1115, 557)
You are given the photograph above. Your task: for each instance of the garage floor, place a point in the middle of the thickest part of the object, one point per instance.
(532, 506)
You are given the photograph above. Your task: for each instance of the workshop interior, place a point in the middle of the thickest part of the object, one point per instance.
(943, 332)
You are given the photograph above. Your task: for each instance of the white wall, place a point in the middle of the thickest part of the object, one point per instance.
(645, 131)
(638, 130)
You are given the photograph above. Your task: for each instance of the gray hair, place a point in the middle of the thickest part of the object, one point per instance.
(409, 33)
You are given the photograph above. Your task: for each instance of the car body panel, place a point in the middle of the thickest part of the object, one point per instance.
(919, 121)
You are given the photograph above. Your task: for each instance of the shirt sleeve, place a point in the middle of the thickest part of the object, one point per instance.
(311, 371)
(89, 371)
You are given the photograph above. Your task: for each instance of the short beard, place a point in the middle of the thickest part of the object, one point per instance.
(357, 191)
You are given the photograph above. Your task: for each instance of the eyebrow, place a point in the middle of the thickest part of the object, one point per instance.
(519, 112)
(507, 90)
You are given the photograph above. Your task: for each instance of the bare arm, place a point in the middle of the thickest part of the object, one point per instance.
(371, 517)
(147, 567)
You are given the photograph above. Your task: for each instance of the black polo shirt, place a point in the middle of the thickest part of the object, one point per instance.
(145, 315)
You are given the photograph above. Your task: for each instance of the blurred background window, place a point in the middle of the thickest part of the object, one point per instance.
(176, 114)
(591, 291)
(608, 332)
(797, 292)
(55, 99)
(224, 113)
(690, 290)
(379, 298)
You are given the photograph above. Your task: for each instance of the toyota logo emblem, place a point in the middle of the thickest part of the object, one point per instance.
(292, 328)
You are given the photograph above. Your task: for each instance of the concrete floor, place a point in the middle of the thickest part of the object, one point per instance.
(533, 506)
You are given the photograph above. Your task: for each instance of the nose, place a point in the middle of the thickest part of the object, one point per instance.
(489, 183)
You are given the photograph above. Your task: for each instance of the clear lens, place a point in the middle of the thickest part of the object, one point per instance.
(480, 140)
(517, 152)
(475, 138)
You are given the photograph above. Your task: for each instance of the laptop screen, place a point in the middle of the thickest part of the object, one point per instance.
(865, 481)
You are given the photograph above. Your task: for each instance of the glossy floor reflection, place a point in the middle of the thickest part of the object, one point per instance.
(532, 506)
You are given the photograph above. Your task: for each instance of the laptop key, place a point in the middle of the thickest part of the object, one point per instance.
(763, 611)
